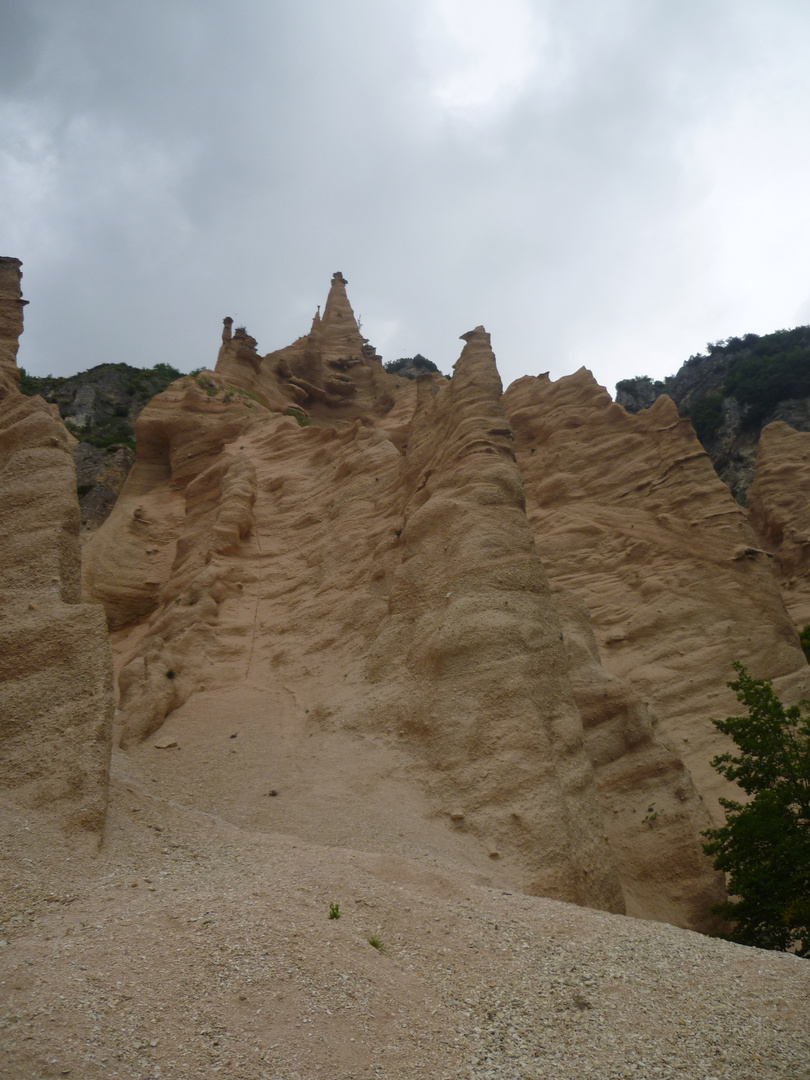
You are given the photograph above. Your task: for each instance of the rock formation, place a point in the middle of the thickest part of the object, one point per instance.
(306, 534)
(99, 408)
(413, 649)
(731, 392)
(628, 513)
(55, 665)
(780, 511)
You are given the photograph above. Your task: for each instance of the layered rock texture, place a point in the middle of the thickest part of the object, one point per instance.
(780, 511)
(496, 624)
(412, 650)
(99, 408)
(628, 512)
(731, 393)
(56, 693)
(511, 616)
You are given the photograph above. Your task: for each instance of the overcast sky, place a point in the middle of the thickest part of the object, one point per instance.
(611, 183)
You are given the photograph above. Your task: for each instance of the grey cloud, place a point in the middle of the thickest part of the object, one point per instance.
(192, 161)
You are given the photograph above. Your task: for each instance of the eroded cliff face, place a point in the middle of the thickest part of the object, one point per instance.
(350, 579)
(780, 511)
(628, 513)
(56, 693)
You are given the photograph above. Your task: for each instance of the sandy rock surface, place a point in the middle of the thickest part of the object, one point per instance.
(780, 511)
(56, 692)
(628, 513)
(356, 673)
(191, 947)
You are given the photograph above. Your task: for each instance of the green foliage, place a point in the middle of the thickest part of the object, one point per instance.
(629, 386)
(167, 372)
(32, 384)
(115, 431)
(766, 370)
(334, 911)
(210, 388)
(405, 364)
(118, 393)
(375, 942)
(804, 638)
(764, 846)
(302, 419)
(707, 416)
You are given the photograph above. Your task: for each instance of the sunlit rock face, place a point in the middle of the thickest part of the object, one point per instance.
(56, 693)
(344, 559)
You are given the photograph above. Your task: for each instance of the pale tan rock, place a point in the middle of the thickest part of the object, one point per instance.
(180, 435)
(56, 696)
(779, 501)
(315, 579)
(330, 375)
(472, 644)
(653, 815)
(629, 514)
(378, 579)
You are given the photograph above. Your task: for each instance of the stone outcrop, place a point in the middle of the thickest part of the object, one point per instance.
(628, 513)
(99, 408)
(731, 392)
(56, 697)
(652, 811)
(780, 511)
(369, 554)
(11, 323)
(472, 644)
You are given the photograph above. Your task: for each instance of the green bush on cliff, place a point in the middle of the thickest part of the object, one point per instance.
(764, 846)
(112, 396)
(406, 364)
(707, 416)
(768, 370)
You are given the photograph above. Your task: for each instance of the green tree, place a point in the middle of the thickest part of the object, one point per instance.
(167, 372)
(408, 365)
(764, 846)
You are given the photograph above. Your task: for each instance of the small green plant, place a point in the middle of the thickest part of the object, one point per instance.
(171, 673)
(302, 419)
(334, 911)
(207, 386)
(652, 814)
(804, 638)
(375, 942)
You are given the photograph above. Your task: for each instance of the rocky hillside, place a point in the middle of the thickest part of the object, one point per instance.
(99, 408)
(731, 393)
(429, 657)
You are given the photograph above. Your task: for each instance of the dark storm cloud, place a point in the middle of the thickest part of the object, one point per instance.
(610, 183)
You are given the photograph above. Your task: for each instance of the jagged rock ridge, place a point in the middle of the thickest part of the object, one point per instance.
(731, 393)
(334, 626)
(302, 513)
